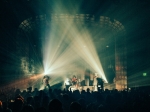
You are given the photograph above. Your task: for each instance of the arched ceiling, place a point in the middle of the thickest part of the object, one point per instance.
(104, 28)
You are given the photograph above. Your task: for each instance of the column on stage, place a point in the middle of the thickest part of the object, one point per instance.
(95, 82)
(87, 77)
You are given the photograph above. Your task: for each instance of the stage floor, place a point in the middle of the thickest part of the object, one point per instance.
(80, 88)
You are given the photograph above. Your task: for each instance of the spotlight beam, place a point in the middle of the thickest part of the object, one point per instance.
(71, 45)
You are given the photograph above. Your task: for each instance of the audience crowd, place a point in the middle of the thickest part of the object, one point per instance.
(56, 100)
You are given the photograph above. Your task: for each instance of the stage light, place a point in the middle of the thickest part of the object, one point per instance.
(46, 72)
(77, 49)
(69, 47)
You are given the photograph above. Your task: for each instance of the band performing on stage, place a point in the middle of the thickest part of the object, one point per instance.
(96, 82)
(92, 81)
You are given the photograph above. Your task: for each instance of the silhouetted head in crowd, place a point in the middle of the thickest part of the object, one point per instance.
(35, 89)
(24, 92)
(18, 104)
(88, 90)
(75, 107)
(30, 100)
(29, 89)
(55, 106)
(28, 108)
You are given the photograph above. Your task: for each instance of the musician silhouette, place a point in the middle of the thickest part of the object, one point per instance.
(74, 82)
(45, 81)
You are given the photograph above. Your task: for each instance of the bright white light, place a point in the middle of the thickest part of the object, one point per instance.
(69, 48)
